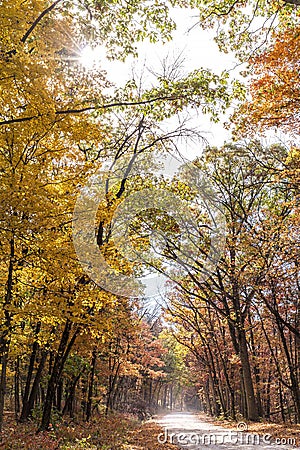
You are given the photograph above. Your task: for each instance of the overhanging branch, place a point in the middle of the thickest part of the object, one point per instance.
(87, 109)
(38, 19)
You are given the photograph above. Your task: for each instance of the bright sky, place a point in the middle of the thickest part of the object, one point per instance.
(198, 50)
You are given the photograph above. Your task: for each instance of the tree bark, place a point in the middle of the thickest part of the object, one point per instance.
(60, 359)
(91, 386)
(35, 386)
(292, 372)
(5, 338)
(252, 410)
(17, 387)
(3, 386)
(35, 347)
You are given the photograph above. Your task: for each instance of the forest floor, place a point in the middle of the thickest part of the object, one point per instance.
(117, 432)
(120, 432)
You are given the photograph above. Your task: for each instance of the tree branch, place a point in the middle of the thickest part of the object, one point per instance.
(88, 108)
(293, 2)
(38, 19)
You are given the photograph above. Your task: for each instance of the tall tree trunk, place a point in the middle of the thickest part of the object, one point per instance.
(240, 341)
(3, 386)
(216, 405)
(292, 372)
(171, 397)
(17, 387)
(91, 386)
(112, 382)
(69, 403)
(35, 386)
(59, 394)
(252, 410)
(207, 399)
(34, 351)
(5, 337)
(60, 359)
(256, 370)
(268, 396)
(281, 402)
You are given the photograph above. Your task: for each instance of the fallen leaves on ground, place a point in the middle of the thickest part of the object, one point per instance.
(145, 437)
(116, 432)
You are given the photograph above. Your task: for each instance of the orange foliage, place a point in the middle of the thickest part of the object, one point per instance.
(274, 89)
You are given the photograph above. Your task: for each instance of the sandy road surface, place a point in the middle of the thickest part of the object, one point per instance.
(191, 433)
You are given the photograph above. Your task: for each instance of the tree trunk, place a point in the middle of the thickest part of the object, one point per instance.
(216, 405)
(252, 410)
(69, 404)
(35, 347)
(60, 359)
(292, 372)
(17, 387)
(112, 381)
(91, 386)
(35, 386)
(171, 397)
(5, 338)
(3, 386)
(207, 399)
(255, 370)
(281, 403)
(59, 393)
(268, 396)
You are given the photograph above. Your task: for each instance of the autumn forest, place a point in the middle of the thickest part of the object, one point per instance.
(88, 212)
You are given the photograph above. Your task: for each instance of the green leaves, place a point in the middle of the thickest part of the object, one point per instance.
(244, 26)
(201, 89)
(120, 25)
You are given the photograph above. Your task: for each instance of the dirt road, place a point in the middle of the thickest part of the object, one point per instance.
(191, 433)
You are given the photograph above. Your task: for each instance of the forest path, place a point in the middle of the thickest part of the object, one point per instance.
(191, 433)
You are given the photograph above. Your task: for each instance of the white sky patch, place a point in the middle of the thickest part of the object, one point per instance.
(93, 58)
(196, 48)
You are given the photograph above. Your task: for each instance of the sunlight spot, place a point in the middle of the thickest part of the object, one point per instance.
(92, 58)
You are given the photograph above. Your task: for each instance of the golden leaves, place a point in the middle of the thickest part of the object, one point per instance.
(274, 88)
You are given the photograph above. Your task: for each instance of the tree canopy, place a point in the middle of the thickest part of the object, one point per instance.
(71, 346)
